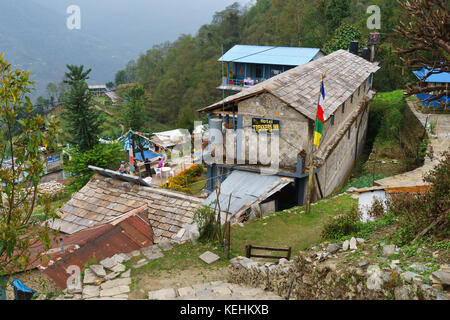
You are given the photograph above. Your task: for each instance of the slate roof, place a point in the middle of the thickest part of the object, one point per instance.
(299, 87)
(104, 198)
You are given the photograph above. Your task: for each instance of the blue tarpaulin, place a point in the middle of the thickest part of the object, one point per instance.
(21, 291)
(441, 103)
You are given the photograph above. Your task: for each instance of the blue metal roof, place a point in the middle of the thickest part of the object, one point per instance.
(287, 56)
(443, 77)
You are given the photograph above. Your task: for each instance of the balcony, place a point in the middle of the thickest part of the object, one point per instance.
(239, 83)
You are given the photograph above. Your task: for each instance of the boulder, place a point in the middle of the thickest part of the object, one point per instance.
(353, 244)
(345, 245)
(388, 250)
(333, 247)
(375, 279)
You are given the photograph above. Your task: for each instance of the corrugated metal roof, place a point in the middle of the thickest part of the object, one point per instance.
(443, 77)
(246, 189)
(122, 235)
(287, 56)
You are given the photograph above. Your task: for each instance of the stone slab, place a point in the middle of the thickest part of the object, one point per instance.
(163, 294)
(91, 292)
(116, 283)
(209, 257)
(98, 270)
(118, 268)
(90, 277)
(114, 291)
(186, 291)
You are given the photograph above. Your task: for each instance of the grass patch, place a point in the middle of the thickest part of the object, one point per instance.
(289, 228)
(179, 258)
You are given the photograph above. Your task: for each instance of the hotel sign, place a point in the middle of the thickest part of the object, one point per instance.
(268, 126)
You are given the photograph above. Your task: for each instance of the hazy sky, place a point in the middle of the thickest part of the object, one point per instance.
(141, 23)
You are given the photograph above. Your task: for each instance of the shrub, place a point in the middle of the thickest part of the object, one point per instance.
(184, 179)
(101, 155)
(342, 225)
(206, 220)
(416, 212)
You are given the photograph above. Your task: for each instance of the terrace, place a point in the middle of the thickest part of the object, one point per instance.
(247, 66)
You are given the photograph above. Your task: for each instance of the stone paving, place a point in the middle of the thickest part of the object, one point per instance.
(213, 291)
(440, 142)
(109, 280)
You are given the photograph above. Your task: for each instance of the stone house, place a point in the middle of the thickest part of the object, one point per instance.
(284, 108)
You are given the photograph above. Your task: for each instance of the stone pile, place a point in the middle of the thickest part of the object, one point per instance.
(50, 188)
(108, 280)
(319, 275)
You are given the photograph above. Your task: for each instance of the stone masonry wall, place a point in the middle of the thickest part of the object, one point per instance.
(313, 278)
(294, 126)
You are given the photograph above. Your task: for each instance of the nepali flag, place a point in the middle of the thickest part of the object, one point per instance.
(320, 118)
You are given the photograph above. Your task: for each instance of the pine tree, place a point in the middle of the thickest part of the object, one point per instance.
(135, 113)
(82, 121)
(336, 12)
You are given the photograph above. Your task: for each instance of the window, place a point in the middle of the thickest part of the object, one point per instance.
(370, 80)
(343, 107)
(332, 120)
(349, 132)
(258, 71)
(359, 91)
(351, 99)
(365, 87)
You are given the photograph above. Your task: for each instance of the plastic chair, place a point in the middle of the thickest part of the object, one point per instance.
(158, 172)
(172, 173)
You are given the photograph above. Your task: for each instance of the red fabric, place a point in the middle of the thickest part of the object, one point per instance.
(320, 114)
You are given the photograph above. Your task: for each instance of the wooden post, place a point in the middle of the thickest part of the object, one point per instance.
(289, 253)
(311, 158)
(248, 250)
(228, 239)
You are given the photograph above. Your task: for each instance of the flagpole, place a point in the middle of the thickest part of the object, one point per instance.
(311, 156)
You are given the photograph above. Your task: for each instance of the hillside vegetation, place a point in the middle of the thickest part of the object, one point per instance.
(182, 76)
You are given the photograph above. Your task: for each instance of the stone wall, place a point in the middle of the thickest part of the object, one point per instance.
(315, 278)
(294, 126)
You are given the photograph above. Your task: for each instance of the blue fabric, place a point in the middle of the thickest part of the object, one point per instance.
(20, 286)
(433, 104)
(147, 154)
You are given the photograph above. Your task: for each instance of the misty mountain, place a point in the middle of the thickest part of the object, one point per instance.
(34, 35)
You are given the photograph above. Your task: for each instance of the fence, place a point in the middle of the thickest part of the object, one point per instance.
(249, 248)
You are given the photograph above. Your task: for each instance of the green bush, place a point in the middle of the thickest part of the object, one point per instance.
(206, 220)
(342, 225)
(416, 212)
(107, 156)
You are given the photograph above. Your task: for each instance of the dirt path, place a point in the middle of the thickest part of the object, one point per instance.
(439, 144)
